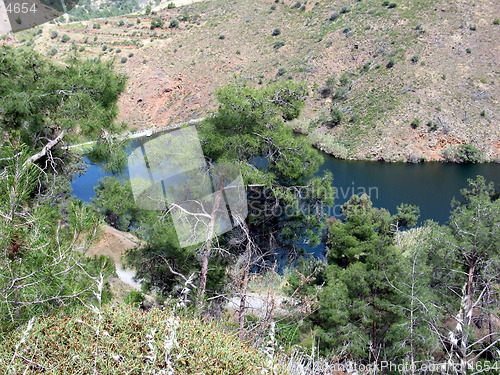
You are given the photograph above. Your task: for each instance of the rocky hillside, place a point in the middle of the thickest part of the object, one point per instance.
(401, 80)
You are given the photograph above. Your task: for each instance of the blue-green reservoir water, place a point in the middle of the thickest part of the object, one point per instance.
(431, 186)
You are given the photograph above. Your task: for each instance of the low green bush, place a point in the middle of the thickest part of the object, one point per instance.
(173, 24)
(336, 116)
(463, 154)
(120, 340)
(156, 22)
(277, 45)
(334, 16)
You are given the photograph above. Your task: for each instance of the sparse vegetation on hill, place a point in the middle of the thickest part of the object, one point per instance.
(395, 55)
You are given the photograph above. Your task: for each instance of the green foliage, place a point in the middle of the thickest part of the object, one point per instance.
(390, 64)
(336, 116)
(65, 38)
(244, 112)
(114, 201)
(170, 6)
(129, 341)
(173, 24)
(87, 10)
(40, 98)
(156, 23)
(463, 154)
(407, 215)
(496, 21)
(334, 16)
(134, 298)
(277, 45)
(123, 60)
(414, 59)
(53, 52)
(468, 50)
(358, 306)
(432, 126)
(415, 123)
(276, 32)
(54, 34)
(42, 262)
(249, 125)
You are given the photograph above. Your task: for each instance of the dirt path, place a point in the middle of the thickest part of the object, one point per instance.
(114, 244)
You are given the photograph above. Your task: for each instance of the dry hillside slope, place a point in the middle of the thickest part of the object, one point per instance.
(410, 79)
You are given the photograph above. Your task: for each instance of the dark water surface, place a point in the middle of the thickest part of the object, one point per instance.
(431, 186)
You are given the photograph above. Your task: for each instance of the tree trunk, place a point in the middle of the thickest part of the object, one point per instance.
(207, 247)
(244, 287)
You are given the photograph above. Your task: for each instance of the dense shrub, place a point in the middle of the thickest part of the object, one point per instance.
(336, 117)
(329, 144)
(96, 26)
(170, 6)
(334, 16)
(463, 154)
(392, 5)
(173, 24)
(156, 22)
(390, 64)
(278, 44)
(415, 123)
(432, 126)
(53, 52)
(414, 59)
(125, 340)
(276, 32)
(54, 34)
(123, 60)
(65, 38)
